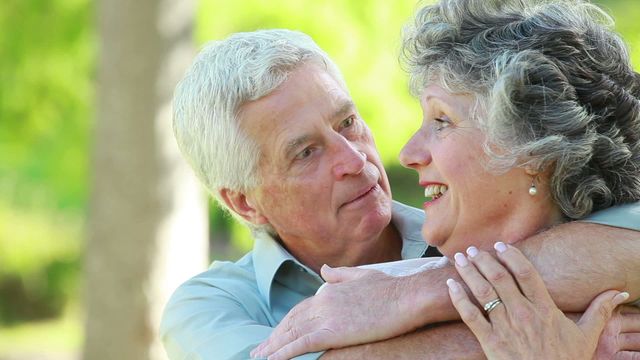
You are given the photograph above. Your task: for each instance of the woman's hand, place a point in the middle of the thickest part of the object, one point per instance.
(520, 320)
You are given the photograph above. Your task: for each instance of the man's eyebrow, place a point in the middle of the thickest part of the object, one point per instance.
(293, 144)
(346, 107)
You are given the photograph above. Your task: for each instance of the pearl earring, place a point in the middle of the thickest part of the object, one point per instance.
(532, 189)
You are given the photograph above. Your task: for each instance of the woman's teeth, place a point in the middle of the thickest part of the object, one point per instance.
(432, 192)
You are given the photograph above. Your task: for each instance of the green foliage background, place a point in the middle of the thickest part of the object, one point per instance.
(47, 65)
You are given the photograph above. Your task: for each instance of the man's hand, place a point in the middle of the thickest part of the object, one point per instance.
(620, 339)
(592, 259)
(331, 318)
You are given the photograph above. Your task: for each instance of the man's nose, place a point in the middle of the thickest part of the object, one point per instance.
(415, 152)
(348, 160)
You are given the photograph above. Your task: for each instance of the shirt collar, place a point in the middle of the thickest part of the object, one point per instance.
(269, 256)
(408, 220)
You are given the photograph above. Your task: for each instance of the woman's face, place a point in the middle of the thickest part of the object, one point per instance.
(466, 203)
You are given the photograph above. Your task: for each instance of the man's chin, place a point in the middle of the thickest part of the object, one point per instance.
(374, 220)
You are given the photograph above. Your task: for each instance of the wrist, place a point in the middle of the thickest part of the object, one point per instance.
(428, 296)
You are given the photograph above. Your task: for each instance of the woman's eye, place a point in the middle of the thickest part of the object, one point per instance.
(441, 123)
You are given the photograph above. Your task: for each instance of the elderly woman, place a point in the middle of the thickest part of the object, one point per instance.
(531, 118)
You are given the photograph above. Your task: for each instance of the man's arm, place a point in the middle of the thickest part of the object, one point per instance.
(580, 260)
(576, 260)
(442, 341)
(209, 322)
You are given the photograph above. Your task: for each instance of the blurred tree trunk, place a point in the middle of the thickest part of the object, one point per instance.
(147, 223)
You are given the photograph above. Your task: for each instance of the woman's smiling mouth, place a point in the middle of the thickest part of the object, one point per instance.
(433, 192)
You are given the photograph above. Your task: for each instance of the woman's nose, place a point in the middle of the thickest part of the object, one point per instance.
(415, 152)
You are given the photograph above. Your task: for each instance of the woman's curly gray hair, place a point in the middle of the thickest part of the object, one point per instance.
(555, 86)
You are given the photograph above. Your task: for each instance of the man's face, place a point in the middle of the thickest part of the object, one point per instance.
(324, 188)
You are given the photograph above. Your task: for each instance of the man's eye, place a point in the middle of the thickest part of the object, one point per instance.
(304, 153)
(347, 122)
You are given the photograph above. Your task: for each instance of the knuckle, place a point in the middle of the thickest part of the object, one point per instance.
(331, 324)
(484, 291)
(525, 271)
(307, 341)
(604, 311)
(293, 332)
(469, 315)
(522, 314)
(546, 310)
(498, 276)
(498, 340)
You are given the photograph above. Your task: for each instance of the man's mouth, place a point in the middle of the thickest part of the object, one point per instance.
(434, 191)
(362, 195)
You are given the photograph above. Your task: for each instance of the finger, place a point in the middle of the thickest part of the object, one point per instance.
(629, 341)
(479, 286)
(627, 355)
(630, 323)
(526, 276)
(313, 342)
(469, 312)
(599, 312)
(499, 278)
(285, 332)
(629, 309)
(342, 274)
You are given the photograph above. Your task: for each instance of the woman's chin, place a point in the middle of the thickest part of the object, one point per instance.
(447, 248)
(432, 240)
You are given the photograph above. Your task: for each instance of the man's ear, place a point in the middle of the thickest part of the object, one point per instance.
(243, 206)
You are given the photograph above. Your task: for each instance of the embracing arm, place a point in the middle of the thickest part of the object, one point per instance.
(592, 258)
(577, 262)
(443, 341)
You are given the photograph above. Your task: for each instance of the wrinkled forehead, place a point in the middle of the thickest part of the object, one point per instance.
(309, 99)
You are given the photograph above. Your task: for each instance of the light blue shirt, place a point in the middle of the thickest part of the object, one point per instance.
(624, 216)
(229, 309)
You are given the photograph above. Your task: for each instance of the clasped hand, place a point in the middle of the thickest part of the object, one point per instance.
(521, 321)
(356, 306)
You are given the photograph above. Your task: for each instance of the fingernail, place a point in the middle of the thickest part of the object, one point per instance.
(472, 251)
(461, 260)
(620, 298)
(257, 352)
(500, 247)
(453, 285)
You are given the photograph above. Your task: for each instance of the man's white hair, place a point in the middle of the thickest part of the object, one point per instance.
(225, 75)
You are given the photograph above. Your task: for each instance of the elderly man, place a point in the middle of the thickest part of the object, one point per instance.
(267, 123)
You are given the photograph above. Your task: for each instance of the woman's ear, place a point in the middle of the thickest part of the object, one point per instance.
(532, 171)
(242, 205)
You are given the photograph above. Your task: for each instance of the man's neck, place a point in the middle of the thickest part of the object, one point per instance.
(389, 247)
(386, 247)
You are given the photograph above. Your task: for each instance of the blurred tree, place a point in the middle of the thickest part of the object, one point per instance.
(147, 212)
